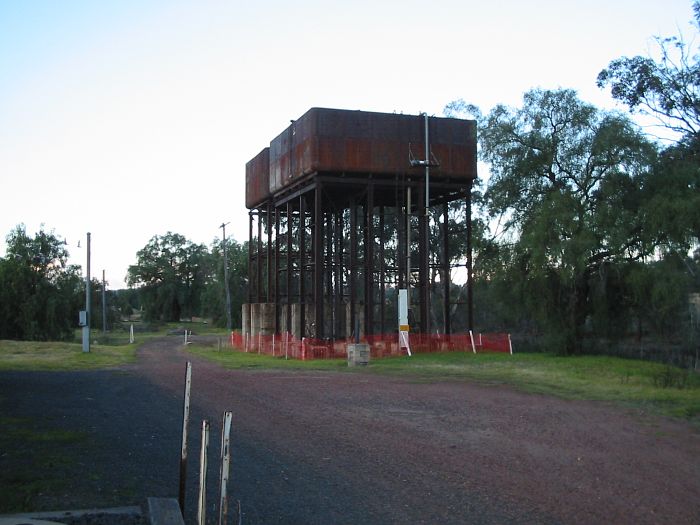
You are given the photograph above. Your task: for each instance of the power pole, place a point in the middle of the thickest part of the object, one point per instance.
(229, 323)
(104, 304)
(86, 326)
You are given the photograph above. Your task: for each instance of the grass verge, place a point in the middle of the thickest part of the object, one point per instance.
(640, 384)
(33, 461)
(35, 355)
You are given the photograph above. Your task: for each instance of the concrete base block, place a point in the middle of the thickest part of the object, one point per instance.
(358, 354)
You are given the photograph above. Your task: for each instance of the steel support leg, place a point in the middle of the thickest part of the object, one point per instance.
(318, 262)
(446, 267)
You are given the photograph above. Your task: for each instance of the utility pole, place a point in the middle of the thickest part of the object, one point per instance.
(104, 304)
(229, 323)
(86, 326)
(427, 163)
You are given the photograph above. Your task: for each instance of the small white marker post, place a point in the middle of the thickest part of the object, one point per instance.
(510, 345)
(131, 334)
(225, 466)
(471, 336)
(201, 507)
(403, 321)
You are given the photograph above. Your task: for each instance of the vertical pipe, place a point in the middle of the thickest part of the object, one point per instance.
(202, 499)
(426, 234)
(408, 244)
(400, 223)
(104, 303)
(183, 447)
(427, 166)
(302, 263)
(446, 268)
(318, 262)
(225, 467)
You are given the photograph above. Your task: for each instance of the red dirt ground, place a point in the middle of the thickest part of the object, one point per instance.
(347, 448)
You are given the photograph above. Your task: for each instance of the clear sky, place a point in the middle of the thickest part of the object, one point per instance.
(133, 118)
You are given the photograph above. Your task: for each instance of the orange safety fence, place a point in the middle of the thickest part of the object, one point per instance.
(381, 345)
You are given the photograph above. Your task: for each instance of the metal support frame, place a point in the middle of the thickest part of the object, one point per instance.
(349, 227)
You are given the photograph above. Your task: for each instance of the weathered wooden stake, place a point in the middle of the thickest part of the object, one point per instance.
(202, 500)
(225, 465)
(183, 450)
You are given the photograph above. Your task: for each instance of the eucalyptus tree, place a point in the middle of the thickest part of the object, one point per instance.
(40, 293)
(667, 88)
(171, 273)
(565, 184)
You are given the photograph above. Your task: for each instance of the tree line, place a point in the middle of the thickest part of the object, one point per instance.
(173, 278)
(589, 225)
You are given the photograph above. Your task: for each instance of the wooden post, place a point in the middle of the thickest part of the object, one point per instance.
(202, 500)
(183, 449)
(225, 463)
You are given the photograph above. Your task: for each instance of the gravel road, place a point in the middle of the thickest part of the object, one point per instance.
(324, 447)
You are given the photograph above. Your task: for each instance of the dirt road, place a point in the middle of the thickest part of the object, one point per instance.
(311, 447)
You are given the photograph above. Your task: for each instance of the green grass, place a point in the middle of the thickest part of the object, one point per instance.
(34, 355)
(640, 384)
(243, 360)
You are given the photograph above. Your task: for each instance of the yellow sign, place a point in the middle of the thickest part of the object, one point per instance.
(404, 328)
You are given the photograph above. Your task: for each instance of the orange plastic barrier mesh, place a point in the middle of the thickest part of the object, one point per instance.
(382, 345)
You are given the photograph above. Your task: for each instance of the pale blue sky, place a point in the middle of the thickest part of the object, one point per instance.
(130, 119)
